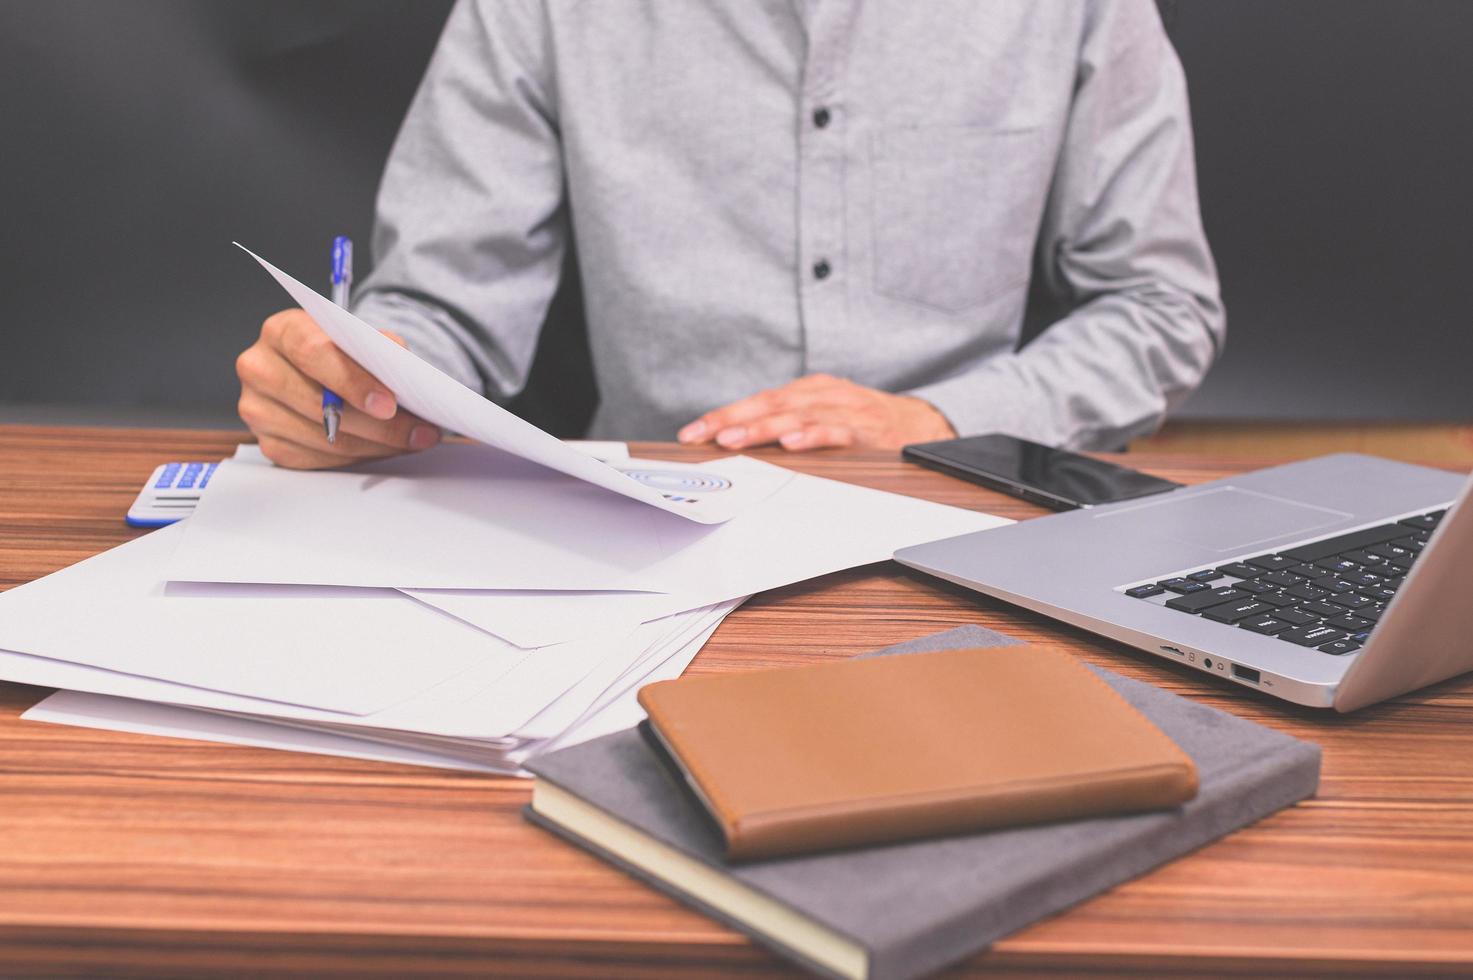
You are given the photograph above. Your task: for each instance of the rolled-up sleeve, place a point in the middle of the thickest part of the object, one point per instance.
(471, 225)
(1121, 242)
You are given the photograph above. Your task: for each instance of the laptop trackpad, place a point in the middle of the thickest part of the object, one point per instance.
(1225, 519)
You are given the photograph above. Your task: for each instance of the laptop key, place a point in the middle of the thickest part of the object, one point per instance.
(1238, 569)
(1332, 583)
(1363, 556)
(1337, 564)
(1144, 591)
(1296, 617)
(1373, 613)
(1231, 612)
(1320, 608)
(1340, 647)
(1181, 586)
(1312, 636)
(1281, 577)
(1306, 591)
(1316, 550)
(1206, 575)
(1275, 599)
(1349, 623)
(1350, 600)
(1266, 625)
(1366, 579)
(1424, 523)
(1272, 563)
(1197, 601)
(1305, 571)
(1390, 550)
(1252, 585)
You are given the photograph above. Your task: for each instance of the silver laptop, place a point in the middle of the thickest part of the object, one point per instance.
(1334, 582)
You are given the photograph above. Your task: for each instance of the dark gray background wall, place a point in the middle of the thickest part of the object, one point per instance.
(137, 139)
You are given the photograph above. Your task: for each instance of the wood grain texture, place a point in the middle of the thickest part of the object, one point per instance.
(133, 855)
(1432, 443)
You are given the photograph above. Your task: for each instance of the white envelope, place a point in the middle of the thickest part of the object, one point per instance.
(810, 527)
(345, 650)
(540, 618)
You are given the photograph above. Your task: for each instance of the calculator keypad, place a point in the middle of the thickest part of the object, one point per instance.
(185, 476)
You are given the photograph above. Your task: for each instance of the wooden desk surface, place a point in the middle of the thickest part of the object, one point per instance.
(124, 854)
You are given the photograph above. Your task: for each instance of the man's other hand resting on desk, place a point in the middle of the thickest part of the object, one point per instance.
(818, 411)
(281, 380)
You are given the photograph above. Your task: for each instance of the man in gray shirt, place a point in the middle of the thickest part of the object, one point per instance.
(810, 222)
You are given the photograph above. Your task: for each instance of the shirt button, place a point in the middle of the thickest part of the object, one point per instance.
(821, 117)
(821, 269)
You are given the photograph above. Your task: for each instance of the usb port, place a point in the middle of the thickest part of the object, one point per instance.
(1245, 673)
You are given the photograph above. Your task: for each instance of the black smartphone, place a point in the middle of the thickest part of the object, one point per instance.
(1055, 478)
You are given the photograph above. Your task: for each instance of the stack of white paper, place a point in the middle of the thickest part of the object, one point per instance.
(364, 672)
(470, 606)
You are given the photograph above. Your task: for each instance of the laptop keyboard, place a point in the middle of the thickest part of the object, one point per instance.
(1327, 595)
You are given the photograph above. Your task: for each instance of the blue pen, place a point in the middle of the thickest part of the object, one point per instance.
(342, 282)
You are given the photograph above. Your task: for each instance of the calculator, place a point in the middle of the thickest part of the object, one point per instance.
(170, 494)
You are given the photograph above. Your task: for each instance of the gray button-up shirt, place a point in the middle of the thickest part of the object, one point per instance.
(762, 189)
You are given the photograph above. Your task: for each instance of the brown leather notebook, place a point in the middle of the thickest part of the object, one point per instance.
(863, 751)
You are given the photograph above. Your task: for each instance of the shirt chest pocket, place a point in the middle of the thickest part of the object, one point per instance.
(955, 212)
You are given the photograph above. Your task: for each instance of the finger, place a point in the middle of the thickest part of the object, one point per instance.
(267, 417)
(269, 373)
(312, 352)
(403, 431)
(748, 409)
(818, 437)
(797, 394)
(284, 452)
(769, 428)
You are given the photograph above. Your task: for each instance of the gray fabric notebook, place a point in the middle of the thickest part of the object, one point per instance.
(904, 910)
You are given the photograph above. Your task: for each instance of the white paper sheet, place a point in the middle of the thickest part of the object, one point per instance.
(439, 398)
(343, 650)
(810, 527)
(535, 619)
(485, 701)
(455, 516)
(566, 710)
(651, 644)
(609, 452)
(108, 712)
(147, 718)
(619, 708)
